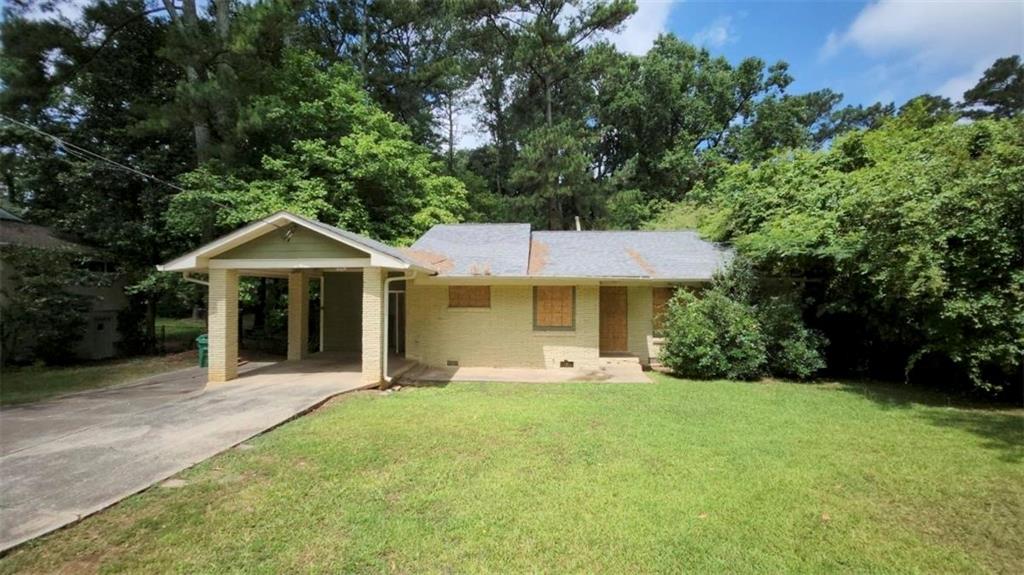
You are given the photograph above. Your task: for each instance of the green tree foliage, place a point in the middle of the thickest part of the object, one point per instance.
(913, 234)
(792, 350)
(410, 55)
(113, 97)
(1000, 92)
(41, 311)
(542, 46)
(336, 156)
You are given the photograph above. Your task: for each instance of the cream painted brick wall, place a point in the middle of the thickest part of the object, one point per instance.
(373, 324)
(223, 328)
(298, 315)
(501, 336)
(641, 322)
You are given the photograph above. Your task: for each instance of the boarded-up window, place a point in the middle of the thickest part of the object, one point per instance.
(469, 296)
(554, 307)
(661, 297)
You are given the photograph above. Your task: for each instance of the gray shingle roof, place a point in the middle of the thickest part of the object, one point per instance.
(628, 254)
(512, 250)
(475, 249)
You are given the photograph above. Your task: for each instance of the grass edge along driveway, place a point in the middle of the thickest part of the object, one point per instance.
(678, 475)
(20, 385)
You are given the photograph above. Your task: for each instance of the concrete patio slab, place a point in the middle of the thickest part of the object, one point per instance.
(63, 459)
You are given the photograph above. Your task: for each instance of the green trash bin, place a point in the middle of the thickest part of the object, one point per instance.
(203, 343)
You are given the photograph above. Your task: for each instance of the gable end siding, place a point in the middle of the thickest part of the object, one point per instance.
(303, 244)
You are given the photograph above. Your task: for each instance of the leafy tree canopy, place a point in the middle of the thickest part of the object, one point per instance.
(338, 157)
(914, 234)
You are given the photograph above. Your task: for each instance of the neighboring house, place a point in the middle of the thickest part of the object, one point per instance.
(101, 335)
(497, 295)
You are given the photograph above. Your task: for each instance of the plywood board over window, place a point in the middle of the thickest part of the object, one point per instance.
(469, 296)
(554, 308)
(661, 297)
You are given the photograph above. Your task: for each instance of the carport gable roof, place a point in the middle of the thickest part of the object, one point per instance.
(380, 254)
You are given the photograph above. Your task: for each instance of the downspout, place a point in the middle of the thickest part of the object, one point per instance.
(387, 324)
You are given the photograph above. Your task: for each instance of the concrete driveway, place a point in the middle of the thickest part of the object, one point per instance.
(63, 459)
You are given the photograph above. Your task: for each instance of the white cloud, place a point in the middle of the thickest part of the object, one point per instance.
(717, 34)
(66, 9)
(958, 38)
(643, 28)
(955, 87)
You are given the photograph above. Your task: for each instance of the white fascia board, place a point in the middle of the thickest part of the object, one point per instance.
(551, 280)
(297, 264)
(199, 258)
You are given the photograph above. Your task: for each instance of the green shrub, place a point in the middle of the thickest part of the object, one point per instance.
(793, 350)
(713, 336)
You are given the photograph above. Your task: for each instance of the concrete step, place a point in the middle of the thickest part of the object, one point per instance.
(620, 360)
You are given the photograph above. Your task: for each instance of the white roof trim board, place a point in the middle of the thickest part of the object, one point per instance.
(381, 255)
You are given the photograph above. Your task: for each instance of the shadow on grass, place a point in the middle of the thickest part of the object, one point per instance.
(1001, 431)
(999, 425)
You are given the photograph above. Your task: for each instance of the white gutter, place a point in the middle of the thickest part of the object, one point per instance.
(387, 303)
(187, 276)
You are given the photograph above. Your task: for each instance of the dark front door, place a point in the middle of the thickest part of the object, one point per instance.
(614, 327)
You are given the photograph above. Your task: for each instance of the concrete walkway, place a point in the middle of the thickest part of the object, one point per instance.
(63, 459)
(612, 372)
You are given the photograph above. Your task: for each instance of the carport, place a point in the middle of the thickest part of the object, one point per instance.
(357, 276)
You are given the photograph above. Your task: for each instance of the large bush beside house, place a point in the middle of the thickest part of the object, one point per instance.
(712, 335)
(742, 327)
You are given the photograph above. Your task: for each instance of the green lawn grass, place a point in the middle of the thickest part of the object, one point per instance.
(176, 334)
(35, 383)
(678, 476)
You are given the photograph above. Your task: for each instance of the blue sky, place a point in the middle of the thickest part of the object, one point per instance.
(884, 50)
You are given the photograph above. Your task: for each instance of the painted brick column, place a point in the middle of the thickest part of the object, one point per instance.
(373, 325)
(223, 329)
(298, 315)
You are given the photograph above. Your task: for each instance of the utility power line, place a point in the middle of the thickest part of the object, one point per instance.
(84, 154)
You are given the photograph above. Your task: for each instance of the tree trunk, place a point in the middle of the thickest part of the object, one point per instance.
(151, 323)
(554, 213)
(224, 74)
(451, 133)
(187, 23)
(547, 101)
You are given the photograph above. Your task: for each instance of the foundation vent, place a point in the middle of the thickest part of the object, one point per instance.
(453, 363)
(566, 363)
